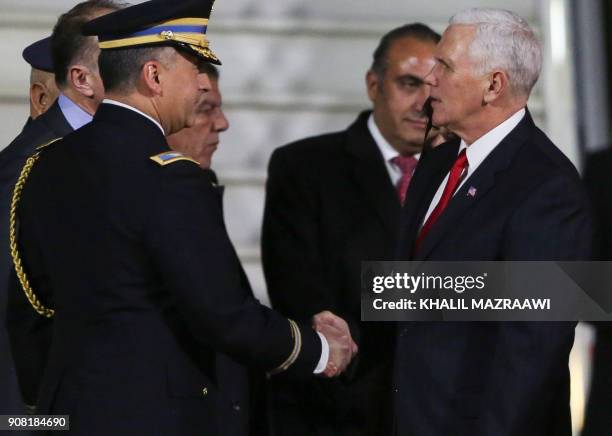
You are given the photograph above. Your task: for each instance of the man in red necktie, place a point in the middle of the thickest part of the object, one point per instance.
(333, 201)
(502, 191)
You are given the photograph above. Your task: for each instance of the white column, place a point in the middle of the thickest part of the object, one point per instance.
(558, 79)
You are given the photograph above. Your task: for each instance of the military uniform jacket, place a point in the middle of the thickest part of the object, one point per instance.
(135, 259)
(30, 344)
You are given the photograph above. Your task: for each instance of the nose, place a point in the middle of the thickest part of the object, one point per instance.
(221, 123)
(422, 96)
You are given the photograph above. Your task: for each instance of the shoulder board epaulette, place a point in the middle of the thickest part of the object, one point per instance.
(169, 157)
(46, 144)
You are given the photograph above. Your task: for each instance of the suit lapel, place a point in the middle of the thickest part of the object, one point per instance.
(369, 172)
(430, 172)
(477, 186)
(482, 181)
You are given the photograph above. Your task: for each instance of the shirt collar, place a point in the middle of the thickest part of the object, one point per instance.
(480, 149)
(132, 108)
(73, 113)
(387, 151)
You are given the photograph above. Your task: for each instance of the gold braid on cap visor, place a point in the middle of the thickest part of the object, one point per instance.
(190, 31)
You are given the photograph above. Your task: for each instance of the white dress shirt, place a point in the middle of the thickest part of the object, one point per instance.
(477, 152)
(387, 151)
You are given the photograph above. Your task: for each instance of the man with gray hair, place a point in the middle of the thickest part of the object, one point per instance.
(502, 191)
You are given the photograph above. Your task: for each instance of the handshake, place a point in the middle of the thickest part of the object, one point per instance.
(342, 348)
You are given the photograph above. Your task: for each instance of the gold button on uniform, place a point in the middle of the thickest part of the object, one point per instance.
(205, 391)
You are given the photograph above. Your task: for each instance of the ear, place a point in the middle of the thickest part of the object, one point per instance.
(497, 85)
(40, 99)
(80, 78)
(373, 84)
(150, 75)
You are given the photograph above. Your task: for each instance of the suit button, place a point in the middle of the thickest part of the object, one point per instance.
(396, 390)
(205, 391)
(236, 407)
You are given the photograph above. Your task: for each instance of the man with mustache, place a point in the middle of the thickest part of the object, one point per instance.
(202, 139)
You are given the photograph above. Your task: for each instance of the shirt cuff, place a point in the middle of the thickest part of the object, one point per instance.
(324, 355)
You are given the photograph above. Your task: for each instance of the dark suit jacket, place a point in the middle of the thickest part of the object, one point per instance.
(29, 347)
(502, 379)
(598, 180)
(147, 287)
(330, 204)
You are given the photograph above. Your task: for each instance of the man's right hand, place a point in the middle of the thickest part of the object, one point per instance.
(341, 346)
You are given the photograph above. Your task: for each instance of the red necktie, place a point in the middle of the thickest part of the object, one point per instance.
(406, 164)
(454, 178)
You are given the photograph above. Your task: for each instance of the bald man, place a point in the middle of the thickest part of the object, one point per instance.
(43, 90)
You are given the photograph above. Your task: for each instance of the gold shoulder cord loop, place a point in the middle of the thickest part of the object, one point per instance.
(25, 284)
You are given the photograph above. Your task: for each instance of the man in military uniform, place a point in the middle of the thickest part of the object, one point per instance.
(42, 93)
(122, 242)
(76, 72)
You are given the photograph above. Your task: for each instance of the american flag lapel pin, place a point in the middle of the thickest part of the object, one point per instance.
(471, 192)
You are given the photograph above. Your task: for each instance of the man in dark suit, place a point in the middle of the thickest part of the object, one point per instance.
(333, 201)
(236, 387)
(77, 76)
(202, 139)
(598, 180)
(501, 192)
(127, 250)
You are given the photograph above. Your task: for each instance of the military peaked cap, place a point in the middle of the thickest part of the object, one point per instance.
(178, 23)
(38, 55)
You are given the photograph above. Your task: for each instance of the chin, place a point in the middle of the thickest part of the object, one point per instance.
(414, 142)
